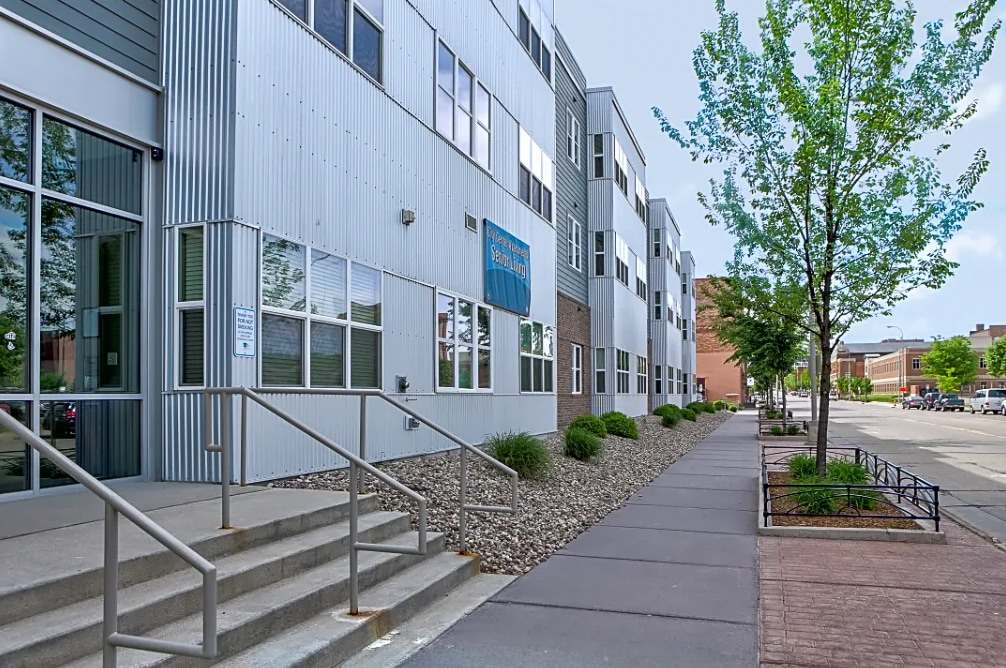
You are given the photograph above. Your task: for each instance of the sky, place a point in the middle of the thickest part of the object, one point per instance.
(643, 49)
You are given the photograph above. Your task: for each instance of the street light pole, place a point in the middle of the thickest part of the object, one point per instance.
(901, 354)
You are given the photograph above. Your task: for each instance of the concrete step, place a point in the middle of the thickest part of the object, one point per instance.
(59, 636)
(54, 569)
(332, 637)
(249, 619)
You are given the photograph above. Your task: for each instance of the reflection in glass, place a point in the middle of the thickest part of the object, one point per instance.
(465, 88)
(445, 376)
(485, 337)
(537, 343)
(90, 292)
(485, 370)
(366, 45)
(191, 331)
(464, 321)
(547, 351)
(101, 436)
(15, 141)
(365, 356)
(15, 456)
(537, 375)
(375, 7)
(297, 7)
(445, 317)
(525, 336)
(482, 105)
(328, 355)
(15, 209)
(328, 285)
(445, 114)
(190, 264)
(465, 368)
(525, 374)
(76, 162)
(282, 351)
(283, 281)
(365, 295)
(330, 21)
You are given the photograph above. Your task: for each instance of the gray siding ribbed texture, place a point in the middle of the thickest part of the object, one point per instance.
(571, 179)
(123, 32)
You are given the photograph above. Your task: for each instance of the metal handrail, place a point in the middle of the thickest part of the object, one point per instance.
(114, 506)
(356, 484)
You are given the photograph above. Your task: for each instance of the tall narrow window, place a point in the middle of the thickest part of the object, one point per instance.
(573, 234)
(464, 344)
(572, 138)
(599, 368)
(622, 261)
(445, 91)
(536, 176)
(576, 378)
(658, 309)
(463, 107)
(656, 243)
(622, 370)
(335, 20)
(641, 290)
(191, 306)
(657, 380)
(524, 30)
(598, 253)
(598, 156)
(621, 169)
(536, 355)
(642, 384)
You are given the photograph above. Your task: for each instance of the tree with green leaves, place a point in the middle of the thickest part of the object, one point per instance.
(995, 358)
(951, 362)
(819, 128)
(843, 384)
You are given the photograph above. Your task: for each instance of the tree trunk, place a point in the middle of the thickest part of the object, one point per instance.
(824, 383)
(784, 414)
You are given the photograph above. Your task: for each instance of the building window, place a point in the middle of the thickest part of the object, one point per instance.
(573, 250)
(535, 176)
(642, 384)
(463, 105)
(657, 380)
(641, 279)
(916, 363)
(572, 138)
(321, 320)
(684, 284)
(642, 197)
(577, 369)
(656, 243)
(535, 357)
(599, 367)
(983, 385)
(622, 371)
(621, 169)
(658, 309)
(335, 20)
(191, 305)
(684, 329)
(531, 38)
(598, 253)
(622, 260)
(598, 156)
(464, 344)
(982, 364)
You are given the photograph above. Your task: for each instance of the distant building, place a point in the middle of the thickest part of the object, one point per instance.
(902, 368)
(981, 338)
(718, 378)
(849, 359)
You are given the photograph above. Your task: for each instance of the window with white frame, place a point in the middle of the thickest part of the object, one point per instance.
(572, 138)
(641, 279)
(677, 261)
(576, 377)
(321, 318)
(535, 176)
(599, 369)
(536, 346)
(598, 253)
(658, 380)
(642, 197)
(336, 20)
(622, 371)
(573, 249)
(464, 344)
(982, 364)
(642, 384)
(533, 29)
(191, 305)
(463, 105)
(681, 388)
(983, 385)
(621, 169)
(656, 242)
(916, 363)
(621, 260)
(684, 329)
(658, 309)
(598, 156)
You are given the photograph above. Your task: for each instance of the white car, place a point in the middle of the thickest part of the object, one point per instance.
(992, 400)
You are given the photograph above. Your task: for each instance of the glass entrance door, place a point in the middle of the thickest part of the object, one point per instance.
(71, 214)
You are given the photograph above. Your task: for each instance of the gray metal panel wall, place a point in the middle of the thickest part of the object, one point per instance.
(571, 180)
(562, 48)
(123, 32)
(199, 75)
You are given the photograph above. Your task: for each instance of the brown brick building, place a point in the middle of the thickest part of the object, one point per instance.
(720, 378)
(574, 384)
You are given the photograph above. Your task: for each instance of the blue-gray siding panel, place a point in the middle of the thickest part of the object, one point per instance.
(571, 191)
(124, 32)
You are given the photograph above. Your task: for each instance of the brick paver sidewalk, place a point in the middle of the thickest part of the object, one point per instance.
(865, 604)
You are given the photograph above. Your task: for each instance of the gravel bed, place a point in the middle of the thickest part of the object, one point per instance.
(553, 510)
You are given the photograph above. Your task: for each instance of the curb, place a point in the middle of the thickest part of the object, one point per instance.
(973, 528)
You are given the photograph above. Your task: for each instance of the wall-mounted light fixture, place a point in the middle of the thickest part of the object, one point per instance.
(408, 216)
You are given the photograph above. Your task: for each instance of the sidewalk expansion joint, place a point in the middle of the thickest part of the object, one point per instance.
(857, 585)
(657, 561)
(660, 615)
(716, 533)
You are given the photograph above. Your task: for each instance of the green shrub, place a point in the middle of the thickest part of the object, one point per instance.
(817, 500)
(582, 444)
(701, 407)
(847, 473)
(710, 408)
(733, 408)
(689, 414)
(591, 423)
(802, 468)
(670, 420)
(720, 405)
(620, 424)
(522, 452)
(793, 430)
(777, 431)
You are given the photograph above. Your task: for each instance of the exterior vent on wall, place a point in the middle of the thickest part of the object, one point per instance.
(471, 222)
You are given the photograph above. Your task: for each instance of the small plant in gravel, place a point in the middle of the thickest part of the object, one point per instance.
(720, 405)
(522, 452)
(582, 444)
(732, 407)
(669, 409)
(802, 467)
(620, 424)
(793, 430)
(669, 419)
(591, 423)
(689, 414)
(847, 473)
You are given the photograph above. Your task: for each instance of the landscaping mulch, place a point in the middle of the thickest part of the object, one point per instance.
(851, 519)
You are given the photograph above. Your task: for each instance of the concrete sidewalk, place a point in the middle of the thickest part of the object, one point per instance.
(670, 579)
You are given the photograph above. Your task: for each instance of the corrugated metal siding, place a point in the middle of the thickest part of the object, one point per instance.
(199, 77)
(570, 62)
(571, 192)
(123, 32)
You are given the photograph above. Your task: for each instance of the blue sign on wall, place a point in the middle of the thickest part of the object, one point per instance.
(507, 270)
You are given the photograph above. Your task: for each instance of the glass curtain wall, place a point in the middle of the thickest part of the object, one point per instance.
(70, 279)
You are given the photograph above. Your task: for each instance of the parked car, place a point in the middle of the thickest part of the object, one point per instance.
(949, 402)
(911, 401)
(992, 400)
(59, 417)
(928, 400)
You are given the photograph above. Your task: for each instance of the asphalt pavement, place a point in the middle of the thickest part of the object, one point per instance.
(962, 453)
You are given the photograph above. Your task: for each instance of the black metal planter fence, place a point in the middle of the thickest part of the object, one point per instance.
(895, 493)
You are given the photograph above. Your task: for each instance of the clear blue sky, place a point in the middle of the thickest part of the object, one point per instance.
(643, 49)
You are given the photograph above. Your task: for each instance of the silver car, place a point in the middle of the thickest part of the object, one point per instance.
(992, 400)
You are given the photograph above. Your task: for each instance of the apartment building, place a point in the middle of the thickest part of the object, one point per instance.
(666, 307)
(689, 350)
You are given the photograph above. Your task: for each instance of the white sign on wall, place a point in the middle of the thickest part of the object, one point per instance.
(244, 332)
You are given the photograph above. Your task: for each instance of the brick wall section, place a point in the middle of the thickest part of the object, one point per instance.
(723, 380)
(574, 327)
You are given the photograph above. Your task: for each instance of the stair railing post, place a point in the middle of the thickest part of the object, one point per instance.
(363, 438)
(110, 621)
(226, 429)
(463, 496)
(244, 438)
(354, 583)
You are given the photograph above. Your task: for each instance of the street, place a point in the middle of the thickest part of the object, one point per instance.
(962, 453)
